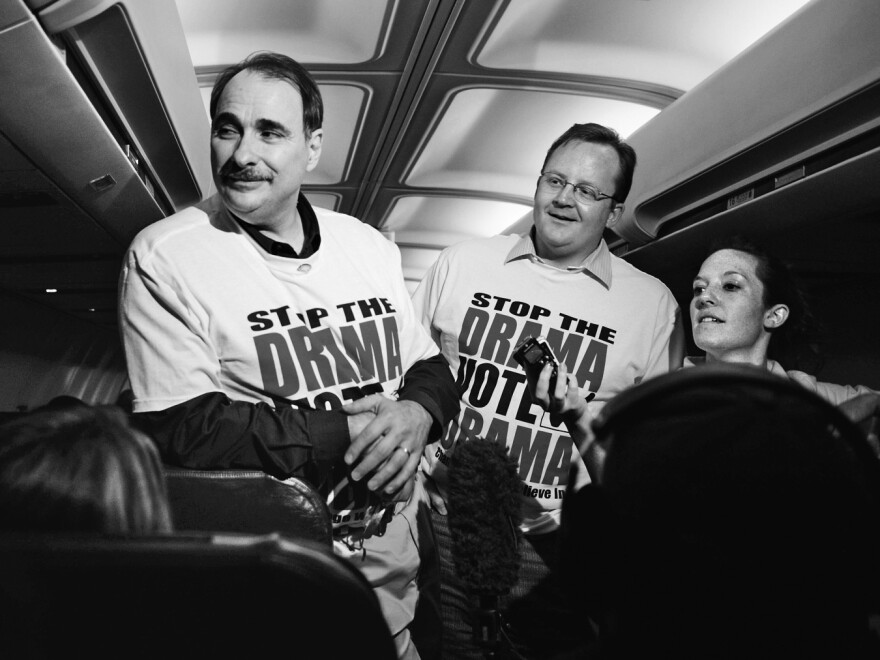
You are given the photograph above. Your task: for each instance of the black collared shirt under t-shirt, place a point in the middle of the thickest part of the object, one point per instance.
(311, 234)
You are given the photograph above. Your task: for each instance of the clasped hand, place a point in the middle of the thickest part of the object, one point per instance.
(387, 439)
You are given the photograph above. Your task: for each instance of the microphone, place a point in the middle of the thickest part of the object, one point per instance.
(484, 517)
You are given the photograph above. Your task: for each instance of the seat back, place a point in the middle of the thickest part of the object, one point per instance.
(732, 505)
(246, 501)
(184, 595)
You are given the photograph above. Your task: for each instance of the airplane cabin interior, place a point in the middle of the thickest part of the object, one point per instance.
(756, 117)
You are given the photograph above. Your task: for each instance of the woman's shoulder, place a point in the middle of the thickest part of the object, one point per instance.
(833, 392)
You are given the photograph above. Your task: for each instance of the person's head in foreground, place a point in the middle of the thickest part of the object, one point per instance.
(80, 469)
(735, 516)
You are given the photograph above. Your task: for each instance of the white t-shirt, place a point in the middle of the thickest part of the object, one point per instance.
(610, 324)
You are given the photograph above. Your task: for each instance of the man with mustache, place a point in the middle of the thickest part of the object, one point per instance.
(263, 333)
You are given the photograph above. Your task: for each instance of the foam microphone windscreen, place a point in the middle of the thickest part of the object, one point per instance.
(484, 516)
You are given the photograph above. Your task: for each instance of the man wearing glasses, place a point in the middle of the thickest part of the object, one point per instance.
(609, 324)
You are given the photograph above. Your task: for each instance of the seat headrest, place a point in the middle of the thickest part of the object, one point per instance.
(727, 494)
(183, 595)
(246, 501)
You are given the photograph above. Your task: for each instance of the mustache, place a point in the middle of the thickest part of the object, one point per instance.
(231, 172)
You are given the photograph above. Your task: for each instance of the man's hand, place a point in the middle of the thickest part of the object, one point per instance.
(388, 448)
(566, 401)
(357, 422)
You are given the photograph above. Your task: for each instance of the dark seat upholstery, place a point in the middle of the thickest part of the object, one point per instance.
(246, 501)
(184, 595)
(735, 516)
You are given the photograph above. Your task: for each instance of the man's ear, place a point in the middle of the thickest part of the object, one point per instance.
(314, 141)
(775, 316)
(614, 215)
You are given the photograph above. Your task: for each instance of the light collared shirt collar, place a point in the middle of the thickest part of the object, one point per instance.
(597, 264)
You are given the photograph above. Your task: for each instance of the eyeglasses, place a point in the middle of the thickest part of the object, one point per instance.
(582, 192)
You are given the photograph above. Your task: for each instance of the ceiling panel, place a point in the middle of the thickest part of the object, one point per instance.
(324, 200)
(675, 43)
(496, 139)
(345, 108)
(441, 221)
(329, 31)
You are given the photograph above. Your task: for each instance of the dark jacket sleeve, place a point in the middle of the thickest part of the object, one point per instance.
(213, 432)
(430, 383)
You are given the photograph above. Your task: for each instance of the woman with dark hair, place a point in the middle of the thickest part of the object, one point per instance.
(747, 308)
(80, 468)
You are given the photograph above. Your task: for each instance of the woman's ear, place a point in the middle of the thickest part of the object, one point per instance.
(775, 316)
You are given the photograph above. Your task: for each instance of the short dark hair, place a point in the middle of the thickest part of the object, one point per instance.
(279, 67)
(792, 343)
(80, 468)
(602, 135)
